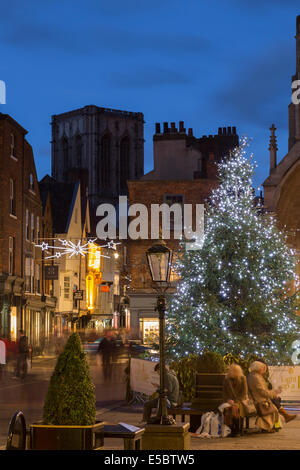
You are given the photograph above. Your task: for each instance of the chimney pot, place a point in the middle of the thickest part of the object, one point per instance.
(166, 128)
(229, 130)
(181, 126)
(220, 131)
(224, 130)
(190, 132)
(173, 128)
(234, 130)
(157, 128)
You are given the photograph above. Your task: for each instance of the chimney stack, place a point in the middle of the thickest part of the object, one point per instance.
(181, 127)
(173, 128)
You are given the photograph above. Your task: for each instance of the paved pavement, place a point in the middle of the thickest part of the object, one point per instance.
(29, 395)
(287, 438)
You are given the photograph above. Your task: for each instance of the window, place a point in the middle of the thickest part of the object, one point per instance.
(32, 227)
(12, 197)
(104, 170)
(171, 199)
(12, 146)
(29, 274)
(27, 225)
(38, 228)
(124, 163)
(37, 278)
(65, 149)
(78, 150)
(11, 243)
(31, 182)
(67, 285)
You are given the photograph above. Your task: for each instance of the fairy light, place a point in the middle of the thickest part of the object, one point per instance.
(233, 293)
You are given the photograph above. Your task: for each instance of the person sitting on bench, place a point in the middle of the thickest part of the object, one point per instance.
(172, 387)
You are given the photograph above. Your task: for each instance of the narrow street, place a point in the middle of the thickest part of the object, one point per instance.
(28, 395)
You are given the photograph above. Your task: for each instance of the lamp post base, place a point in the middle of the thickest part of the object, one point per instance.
(163, 420)
(160, 437)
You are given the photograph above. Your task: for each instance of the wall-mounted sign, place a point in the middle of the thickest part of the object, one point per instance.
(51, 272)
(78, 295)
(104, 289)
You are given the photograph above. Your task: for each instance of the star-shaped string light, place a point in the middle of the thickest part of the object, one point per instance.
(74, 249)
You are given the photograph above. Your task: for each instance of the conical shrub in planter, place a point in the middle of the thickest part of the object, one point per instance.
(70, 405)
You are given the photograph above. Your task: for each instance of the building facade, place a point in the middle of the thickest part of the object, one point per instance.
(22, 301)
(282, 187)
(184, 173)
(108, 144)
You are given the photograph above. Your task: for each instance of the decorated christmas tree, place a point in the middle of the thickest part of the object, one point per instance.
(236, 293)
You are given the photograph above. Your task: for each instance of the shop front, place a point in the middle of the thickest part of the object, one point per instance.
(149, 330)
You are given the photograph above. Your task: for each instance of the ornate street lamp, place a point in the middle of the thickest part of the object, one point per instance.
(159, 258)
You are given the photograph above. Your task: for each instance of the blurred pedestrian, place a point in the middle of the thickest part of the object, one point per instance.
(106, 349)
(22, 356)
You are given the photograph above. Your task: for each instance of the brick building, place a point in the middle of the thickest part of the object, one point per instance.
(184, 173)
(22, 301)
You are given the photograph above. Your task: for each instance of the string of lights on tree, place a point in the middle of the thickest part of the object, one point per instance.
(237, 293)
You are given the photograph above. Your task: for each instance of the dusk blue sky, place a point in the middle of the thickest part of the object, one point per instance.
(209, 64)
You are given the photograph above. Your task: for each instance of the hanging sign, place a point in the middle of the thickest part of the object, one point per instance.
(51, 272)
(78, 295)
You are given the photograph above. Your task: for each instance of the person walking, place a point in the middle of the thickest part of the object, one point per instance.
(172, 387)
(22, 356)
(106, 349)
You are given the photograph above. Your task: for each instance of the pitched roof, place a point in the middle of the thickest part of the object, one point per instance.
(62, 198)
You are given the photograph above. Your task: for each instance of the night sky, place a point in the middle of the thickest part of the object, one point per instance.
(210, 64)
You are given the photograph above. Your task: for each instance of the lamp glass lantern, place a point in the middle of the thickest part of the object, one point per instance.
(159, 259)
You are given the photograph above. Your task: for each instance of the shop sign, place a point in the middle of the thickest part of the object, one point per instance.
(51, 272)
(78, 295)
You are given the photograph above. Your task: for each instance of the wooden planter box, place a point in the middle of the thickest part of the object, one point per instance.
(48, 437)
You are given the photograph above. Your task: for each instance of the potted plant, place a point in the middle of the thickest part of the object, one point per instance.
(70, 407)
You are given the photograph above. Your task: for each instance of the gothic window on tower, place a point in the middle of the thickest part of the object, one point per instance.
(104, 169)
(65, 154)
(124, 163)
(78, 150)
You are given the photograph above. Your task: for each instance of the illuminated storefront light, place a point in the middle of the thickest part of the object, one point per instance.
(90, 292)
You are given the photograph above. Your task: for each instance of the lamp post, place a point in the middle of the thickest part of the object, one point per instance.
(159, 258)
